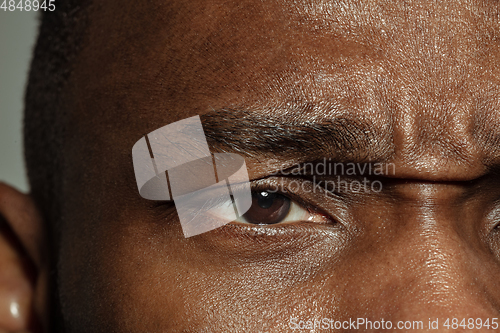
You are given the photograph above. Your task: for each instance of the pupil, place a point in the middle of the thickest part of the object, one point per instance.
(265, 199)
(267, 208)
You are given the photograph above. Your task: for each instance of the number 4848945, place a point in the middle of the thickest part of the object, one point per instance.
(471, 323)
(28, 5)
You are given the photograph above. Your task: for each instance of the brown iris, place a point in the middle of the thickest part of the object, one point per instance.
(267, 208)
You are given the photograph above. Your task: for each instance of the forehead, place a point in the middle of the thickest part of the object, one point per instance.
(425, 72)
(397, 56)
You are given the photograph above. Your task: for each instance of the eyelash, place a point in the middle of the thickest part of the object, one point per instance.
(261, 185)
(268, 185)
(274, 184)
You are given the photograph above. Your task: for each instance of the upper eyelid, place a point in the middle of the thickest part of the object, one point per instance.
(331, 204)
(297, 200)
(263, 183)
(287, 190)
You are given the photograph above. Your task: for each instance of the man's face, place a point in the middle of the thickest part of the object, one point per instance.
(410, 84)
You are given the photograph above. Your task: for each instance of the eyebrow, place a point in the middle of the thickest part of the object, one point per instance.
(258, 133)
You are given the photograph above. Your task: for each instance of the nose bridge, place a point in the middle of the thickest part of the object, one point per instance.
(437, 269)
(439, 262)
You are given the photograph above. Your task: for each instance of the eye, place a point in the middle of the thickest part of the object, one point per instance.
(267, 208)
(273, 208)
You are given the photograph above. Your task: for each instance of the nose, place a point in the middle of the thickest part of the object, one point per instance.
(429, 268)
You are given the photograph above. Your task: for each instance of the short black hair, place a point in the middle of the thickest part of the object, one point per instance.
(61, 35)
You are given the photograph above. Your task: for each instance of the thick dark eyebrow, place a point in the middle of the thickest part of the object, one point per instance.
(255, 134)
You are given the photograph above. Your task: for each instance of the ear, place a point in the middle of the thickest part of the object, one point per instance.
(23, 264)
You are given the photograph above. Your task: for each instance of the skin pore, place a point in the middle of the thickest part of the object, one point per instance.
(416, 82)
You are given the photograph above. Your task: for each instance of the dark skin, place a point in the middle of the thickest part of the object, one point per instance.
(423, 78)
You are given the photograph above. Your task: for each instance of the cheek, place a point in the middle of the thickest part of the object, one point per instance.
(171, 283)
(146, 277)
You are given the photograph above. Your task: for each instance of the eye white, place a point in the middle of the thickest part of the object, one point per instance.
(296, 214)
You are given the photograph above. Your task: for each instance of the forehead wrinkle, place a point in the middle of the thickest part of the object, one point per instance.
(485, 129)
(432, 28)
